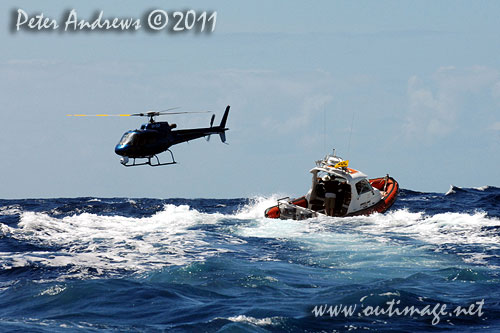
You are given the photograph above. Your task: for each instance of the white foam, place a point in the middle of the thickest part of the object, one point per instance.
(53, 290)
(252, 320)
(10, 210)
(90, 244)
(451, 190)
(444, 228)
(256, 207)
(356, 233)
(111, 243)
(4, 230)
(482, 188)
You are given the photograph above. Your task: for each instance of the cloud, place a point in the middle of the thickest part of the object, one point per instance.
(435, 105)
(473, 79)
(31, 62)
(310, 106)
(495, 92)
(430, 113)
(276, 102)
(496, 126)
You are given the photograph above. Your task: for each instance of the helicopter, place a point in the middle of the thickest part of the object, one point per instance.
(154, 138)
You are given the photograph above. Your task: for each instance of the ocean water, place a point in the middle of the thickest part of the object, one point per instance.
(217, 265)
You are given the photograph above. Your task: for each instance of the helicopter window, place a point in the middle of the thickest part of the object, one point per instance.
(128, 138)
(363, 186)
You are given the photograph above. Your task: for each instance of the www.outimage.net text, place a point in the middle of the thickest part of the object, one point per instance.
(393, 308)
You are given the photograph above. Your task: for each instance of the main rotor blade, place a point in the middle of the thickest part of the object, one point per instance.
(177, 107)
(159, 113)
(142, 114)
(152, 113)
(98, 115)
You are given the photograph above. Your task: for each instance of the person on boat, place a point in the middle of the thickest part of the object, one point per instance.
(317, 193)
(340, 194)
(331, 186)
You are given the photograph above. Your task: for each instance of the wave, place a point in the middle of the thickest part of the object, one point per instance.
(111, 243)
(456, 231)
(441, 228)
(476, 190)
(93, 244)
(10, 210)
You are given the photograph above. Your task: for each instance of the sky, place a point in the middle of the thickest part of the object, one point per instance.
(409, 88)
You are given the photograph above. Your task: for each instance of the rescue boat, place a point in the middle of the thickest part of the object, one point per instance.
(338, 190)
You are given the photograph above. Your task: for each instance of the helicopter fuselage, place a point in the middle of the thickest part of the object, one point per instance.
(151, 139)
(155, 138)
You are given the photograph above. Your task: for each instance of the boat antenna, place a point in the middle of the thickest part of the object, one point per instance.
(324, 128)
(350, 135)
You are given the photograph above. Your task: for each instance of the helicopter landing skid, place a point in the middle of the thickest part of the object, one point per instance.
(124, 162)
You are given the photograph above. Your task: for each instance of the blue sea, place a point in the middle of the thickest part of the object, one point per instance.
(431, 263)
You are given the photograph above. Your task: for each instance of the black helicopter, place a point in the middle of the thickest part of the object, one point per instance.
(156, 137)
